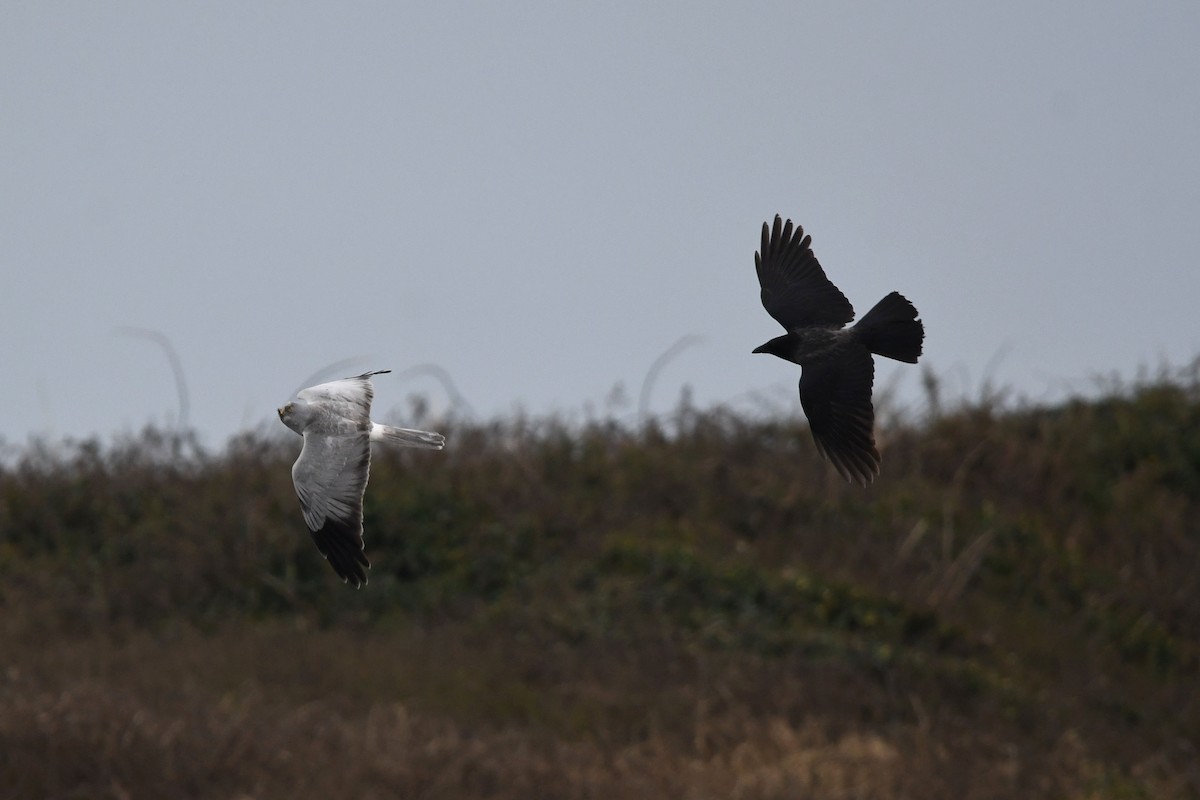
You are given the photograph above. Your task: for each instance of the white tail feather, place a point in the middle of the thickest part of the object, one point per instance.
(407, 437)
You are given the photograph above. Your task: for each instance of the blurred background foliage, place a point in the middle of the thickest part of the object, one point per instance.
(694, 606)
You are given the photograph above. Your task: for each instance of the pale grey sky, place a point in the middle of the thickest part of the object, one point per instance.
(541, 198)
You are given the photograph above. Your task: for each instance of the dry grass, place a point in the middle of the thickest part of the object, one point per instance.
(269, 711)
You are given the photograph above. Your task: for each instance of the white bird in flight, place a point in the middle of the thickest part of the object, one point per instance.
(331, 473)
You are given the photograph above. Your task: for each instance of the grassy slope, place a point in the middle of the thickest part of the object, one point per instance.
(1012, 610)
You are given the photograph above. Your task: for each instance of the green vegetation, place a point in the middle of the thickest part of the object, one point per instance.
(701, 610)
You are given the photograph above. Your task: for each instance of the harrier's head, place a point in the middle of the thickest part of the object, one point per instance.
(289, 417)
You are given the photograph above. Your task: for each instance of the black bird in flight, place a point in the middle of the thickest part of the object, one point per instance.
(838, 370)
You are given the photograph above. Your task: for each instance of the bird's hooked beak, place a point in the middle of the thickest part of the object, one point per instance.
(762, 348)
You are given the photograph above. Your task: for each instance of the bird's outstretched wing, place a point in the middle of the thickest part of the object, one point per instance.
(836, 396)
(348, 398)
(795, 290)
(330, 477)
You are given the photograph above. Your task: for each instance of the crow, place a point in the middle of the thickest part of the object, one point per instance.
(838, 370)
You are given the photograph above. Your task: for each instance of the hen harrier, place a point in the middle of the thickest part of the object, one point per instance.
(331, 473)
(838, 371)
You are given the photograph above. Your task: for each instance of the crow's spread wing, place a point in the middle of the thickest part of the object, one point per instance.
(795, 290)
(836, 396)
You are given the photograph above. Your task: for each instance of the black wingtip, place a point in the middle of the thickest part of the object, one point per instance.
(342, 546)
